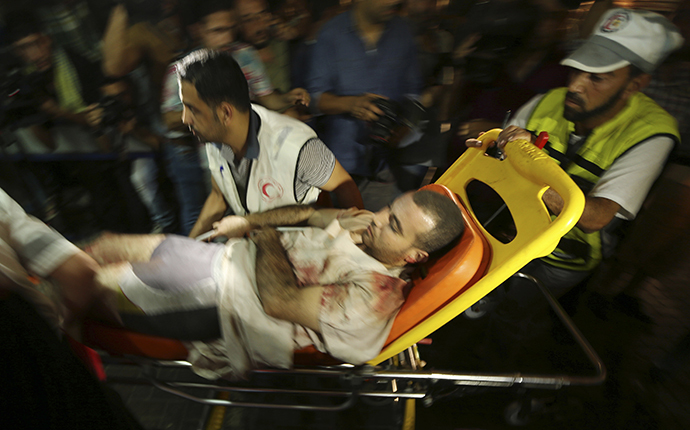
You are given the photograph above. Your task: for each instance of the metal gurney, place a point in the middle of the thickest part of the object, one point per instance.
(443, 289)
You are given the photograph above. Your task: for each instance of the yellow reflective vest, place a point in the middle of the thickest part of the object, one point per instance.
(640, 120)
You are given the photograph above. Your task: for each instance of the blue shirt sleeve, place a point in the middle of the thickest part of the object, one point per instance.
(320, 76)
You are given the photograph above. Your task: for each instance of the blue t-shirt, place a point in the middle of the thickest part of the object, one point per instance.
(342, 65)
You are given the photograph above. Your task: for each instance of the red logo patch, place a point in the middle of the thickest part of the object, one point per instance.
(616, 22)
(270, 189)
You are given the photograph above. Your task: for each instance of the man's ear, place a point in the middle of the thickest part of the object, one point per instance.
(225, 112)
(638, 83)
(416, 256)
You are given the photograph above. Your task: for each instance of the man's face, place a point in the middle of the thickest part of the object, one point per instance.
(35, 49)
(218, 30)
(390, 238)
(202, 119)
(379, 11)
(255, 20)
(592, 95)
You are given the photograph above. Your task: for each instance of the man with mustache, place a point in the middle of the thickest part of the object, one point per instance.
(258, 159)
(336, 285)
(609, 137)
(217, 32)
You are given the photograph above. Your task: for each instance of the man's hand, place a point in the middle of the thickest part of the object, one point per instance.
(297, 96)
(94, 115)
(54, 111)
(363, 107)
(467, 46)
(231, 226)
(509, 133)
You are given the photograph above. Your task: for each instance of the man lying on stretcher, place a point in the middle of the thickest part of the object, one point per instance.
(252, 302)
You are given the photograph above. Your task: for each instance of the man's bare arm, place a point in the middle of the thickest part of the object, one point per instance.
(119, 55)
(361, 107)
(76, 278)
(238, 226)
(280, 294)
(597, 214)
(344, 187)
(214, 208)
(280, 102)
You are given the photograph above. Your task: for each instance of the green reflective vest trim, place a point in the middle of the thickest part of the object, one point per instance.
(640, 120)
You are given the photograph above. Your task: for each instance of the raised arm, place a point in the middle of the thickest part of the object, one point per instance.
(280, 294)
(119, 55)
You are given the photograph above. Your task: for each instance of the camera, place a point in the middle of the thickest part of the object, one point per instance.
(397, 119)
(114, 112)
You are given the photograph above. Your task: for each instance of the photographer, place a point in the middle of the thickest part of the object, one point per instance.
(66, 90)
(366, 50)
(116, 119)
(65, 83)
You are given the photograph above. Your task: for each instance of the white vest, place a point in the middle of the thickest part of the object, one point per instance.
(271, 181)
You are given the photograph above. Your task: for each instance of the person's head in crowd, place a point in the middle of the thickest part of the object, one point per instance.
(255, 19)
(218, 24)
(615, 63)
(215, 96)
(376, 11)
(412, 227)
(29, 41)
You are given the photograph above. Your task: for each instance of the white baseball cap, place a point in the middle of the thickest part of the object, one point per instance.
(624, 36)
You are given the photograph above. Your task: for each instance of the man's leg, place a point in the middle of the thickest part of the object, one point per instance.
(187, 176)
(172, 293)
(112, 248)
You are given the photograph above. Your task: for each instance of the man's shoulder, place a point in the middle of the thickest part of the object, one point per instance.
(241, 48)
(274, 119)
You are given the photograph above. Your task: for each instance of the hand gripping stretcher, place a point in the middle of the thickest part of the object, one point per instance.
(443, 289)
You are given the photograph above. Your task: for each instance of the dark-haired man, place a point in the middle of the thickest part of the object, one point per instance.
(217, 32)
(608, 136)
(258, 159)
(269, 36)
(360, 56)
(252, 302)
(66, 83)
(611, 139)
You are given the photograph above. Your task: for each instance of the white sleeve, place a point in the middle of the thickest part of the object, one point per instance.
(39, 248)
(629, 179)
(522, 115)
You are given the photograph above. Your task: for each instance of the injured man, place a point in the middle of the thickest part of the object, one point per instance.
(336, 284)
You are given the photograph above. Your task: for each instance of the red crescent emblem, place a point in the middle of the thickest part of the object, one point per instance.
(270, 189)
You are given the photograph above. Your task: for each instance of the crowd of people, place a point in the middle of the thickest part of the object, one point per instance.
(391, 87)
